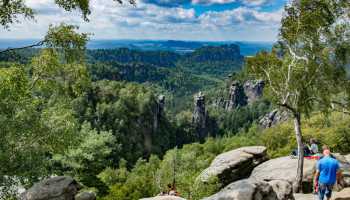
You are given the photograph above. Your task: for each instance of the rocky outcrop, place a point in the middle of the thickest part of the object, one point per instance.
(237, 96)
(56, 188)
(164, 198)
(234, 165)
(274, 117)
(159, 112)
(85, 196)
(249, 189)
(284, 168)
(200, 116)
(283, 189)
(253, 89)
(241, 94)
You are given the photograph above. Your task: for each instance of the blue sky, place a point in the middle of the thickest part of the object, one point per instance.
(212, 20)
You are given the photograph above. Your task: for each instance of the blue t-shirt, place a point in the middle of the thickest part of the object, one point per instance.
(328, 168)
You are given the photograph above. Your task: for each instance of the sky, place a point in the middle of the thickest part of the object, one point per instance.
(203, 20)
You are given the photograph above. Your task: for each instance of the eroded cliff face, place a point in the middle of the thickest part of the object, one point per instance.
(200, 116)
(237, 96)
(253, 89)
(241, 94)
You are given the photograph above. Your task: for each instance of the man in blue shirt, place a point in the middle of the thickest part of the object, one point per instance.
(327, 174)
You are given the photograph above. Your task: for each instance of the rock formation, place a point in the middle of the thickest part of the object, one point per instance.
(237, 96)
(159, 112)
(234, 165)
(284, 168)
(56, 188)
(253, 89)
(85, 196)
(164, 198)
(200, 116)
(249, 189)
(241, 94)
(274, 117)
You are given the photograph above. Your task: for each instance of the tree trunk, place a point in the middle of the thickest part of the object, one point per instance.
(299, 138)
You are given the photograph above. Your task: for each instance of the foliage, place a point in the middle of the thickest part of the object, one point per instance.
(87, 159)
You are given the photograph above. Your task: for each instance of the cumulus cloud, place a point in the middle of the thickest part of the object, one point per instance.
(110, 20)
(174, 3)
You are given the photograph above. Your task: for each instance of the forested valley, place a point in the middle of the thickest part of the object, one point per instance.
(126, 123)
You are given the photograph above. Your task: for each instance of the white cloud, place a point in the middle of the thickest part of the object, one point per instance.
(149, 21)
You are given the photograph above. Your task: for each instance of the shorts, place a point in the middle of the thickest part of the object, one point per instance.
(324, 190)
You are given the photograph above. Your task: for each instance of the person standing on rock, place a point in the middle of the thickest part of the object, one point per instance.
(327, 174)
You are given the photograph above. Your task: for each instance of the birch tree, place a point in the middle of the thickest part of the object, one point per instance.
(307, 66)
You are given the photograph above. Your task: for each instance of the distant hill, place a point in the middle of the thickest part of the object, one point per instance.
(247, 48)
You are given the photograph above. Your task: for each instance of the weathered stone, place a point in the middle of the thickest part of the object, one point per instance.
(234, 165)
(283, 189)
(249, 189)
(200, 116)
(253, 89)
(272, 118)
(56, 188)
(342, 195)
(85, 196)
(164, 198)
(237, 96)
(285, 168)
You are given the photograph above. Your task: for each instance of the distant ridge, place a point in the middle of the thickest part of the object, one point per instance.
(246, 48)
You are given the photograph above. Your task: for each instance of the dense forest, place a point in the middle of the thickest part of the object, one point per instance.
(127, 123)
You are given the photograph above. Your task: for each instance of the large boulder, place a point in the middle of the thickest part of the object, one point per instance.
(285, 168)
(234, 165)
(56, 188)
(249, 189)
(164, 198)
(85, 196)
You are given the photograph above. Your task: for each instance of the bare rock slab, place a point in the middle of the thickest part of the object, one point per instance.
(56, 188)
(234, 165)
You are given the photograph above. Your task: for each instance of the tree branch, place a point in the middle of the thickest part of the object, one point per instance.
(25, 47)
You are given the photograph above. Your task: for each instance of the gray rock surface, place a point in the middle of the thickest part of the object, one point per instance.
(164, 198)
(85, 196)
(56, 188)
(273, 118)
(234, 165)
(237, 96)
(249, 189)
(200, 116)
(285, 168)
(253, 89)
(283, 189)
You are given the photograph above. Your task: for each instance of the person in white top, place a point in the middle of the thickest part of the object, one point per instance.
(314, 146)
